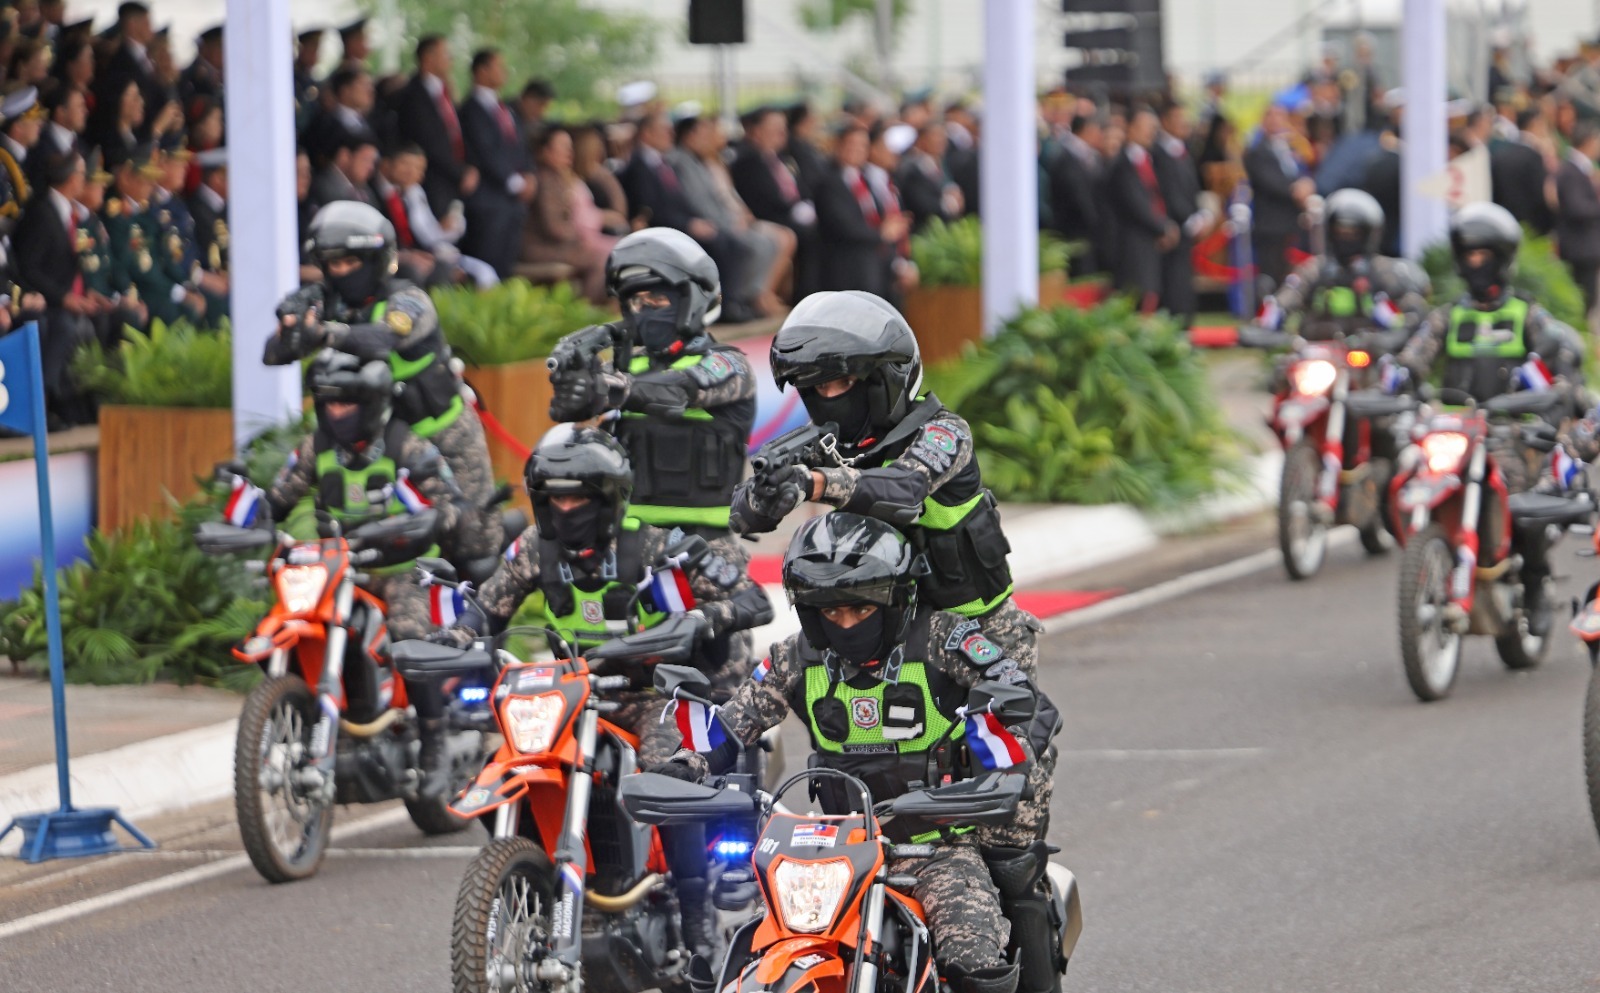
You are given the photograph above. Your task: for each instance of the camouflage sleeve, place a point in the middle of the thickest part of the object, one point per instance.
(722, 587)
(1557, 343)
(1423, 348)
(760, 702)
(896, 491)
(961, 650)
(721, 378)
(1408, 288)
(410, 326)
(294, 481)
(517, 577)
(1295, 293)
(427, 468)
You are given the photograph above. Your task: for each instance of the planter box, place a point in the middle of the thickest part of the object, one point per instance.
(518, 395)
(944, 319)
(148, 454)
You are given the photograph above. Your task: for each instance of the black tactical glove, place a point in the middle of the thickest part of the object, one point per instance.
(677, 769)
(576, 396)
(746, 516)
(779, 492)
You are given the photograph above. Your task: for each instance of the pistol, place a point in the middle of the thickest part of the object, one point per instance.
(586, 352)
(809, 445)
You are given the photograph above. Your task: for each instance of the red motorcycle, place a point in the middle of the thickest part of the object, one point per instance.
(1460, 574)
(1336, 462)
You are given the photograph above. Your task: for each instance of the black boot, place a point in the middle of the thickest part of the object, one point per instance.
(995, 979)
(1019, 875)
(699, 920)
(431, 761)
(702, 975)
(1536, 605)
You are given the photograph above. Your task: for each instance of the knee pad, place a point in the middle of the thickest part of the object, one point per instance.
(1017, 872)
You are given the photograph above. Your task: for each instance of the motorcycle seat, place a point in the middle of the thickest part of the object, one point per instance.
(1369, 403)
(1547, 508)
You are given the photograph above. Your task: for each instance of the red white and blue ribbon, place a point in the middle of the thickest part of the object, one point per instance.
(513, 548)
(1534, 375)
(1384, 313)
(669, 591)
(991, 744)
(699, 726)
(1269, 315)
(244, 503)
(1564, 467)
(409, 496)
(446, 605)
(760, 672)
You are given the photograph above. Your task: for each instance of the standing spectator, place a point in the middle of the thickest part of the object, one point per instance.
(884, 146)
(925, 189)
(131, 62)
(1578, 213)
(495, 146)
(348, 173)
(49, 267)
(961, 159)
(20, 121)
(348, 99)
(1075, 173)
(589, 162)
(564, 225)
(1180, 188)
(857, 239)
(353, 41)
(532, 104)
(74, 64)
(1279, 191)
(203, 78)
(1144, 229)
(68, 107)
(307, 91)
(768, 181)
(426, 115)
(1518, 177)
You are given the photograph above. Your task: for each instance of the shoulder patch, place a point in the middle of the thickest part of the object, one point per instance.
(959, 633)
(399, 320)
(980, 650)
(940, 437)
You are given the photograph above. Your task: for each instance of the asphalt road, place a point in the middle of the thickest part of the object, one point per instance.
(1250, 796)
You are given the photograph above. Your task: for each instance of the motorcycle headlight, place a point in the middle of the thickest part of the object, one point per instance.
(300, 587)
(531, 722)
(1313, 377)
(1444, 451)
(809, 893)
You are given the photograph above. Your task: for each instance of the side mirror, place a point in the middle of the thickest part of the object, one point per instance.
(690, 550)
(670, 678)
(1012, 704)
(438, 568)
(651, 798)
(216, 537)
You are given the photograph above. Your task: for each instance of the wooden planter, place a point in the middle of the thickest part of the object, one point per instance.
(152, 455)
(518, 395)
(944, 318)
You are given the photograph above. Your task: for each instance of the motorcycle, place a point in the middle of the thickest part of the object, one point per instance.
(824, 882)
(1459, 574)
(569, 894)
(331, 723)
(1327, 420)
(1586, 625)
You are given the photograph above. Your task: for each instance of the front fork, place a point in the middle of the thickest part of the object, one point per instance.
(571, 867)
(324, 736)
(1463, 577)
(866, 967)
(1333, 444)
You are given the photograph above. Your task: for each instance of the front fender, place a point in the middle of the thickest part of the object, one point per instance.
(795, 965)
(1417, 497)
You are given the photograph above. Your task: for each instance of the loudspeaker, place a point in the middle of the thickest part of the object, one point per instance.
(716, 22)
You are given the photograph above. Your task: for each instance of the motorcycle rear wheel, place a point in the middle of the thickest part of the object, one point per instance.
(1519, 649)
(1302, 538)
(1591, 745)
(504, 905)
(1431, 654)
(433, 817)
(285, 832)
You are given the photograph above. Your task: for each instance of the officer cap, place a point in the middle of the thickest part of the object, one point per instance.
(309, 35)
(212, 158)
(211, 34)
(19, 103)
(130, 8)
(355, 27)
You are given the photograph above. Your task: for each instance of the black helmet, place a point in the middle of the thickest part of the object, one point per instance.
(339, 377)
(668, 260)
(350, 229)
(842, 558)
(1491, 226)
(1353, 224)
(831, 335)
(579, 461)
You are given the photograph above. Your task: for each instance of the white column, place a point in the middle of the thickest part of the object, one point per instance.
(1424, 126)
(261, 207)
(1008, 171)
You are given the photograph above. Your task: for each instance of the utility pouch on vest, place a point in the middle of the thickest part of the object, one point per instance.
(831, 718)
(968, 561)
(903, 717)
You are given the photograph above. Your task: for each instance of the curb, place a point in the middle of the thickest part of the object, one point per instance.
(193, 767)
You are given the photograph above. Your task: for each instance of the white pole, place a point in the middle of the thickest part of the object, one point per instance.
(261, 208)
(1007, 170)
(1424, 126)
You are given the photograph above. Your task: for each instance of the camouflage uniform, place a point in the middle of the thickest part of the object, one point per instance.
(1402, 282)
(407, 610)
(722, 590)
(963, 905)
(407, 331)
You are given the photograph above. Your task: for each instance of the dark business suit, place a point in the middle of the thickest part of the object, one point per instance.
(1180, 188)
(854, 255)
(494, 215)
(1578, 227)
(123, 66)
(1141, 222)
(1383, 182)
(961, 164)
(45, 151)
(921, 194)
(1076, 209)
(755, 179)
(50, 267)
(1275, 218)
(1517, 175)
(418, 119)
(655, 194)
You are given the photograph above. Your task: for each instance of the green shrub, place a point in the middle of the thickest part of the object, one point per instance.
(146, 605)
(952, 254)
(1540, 276)
(172, 366)
(511, 322)
(1096, 406)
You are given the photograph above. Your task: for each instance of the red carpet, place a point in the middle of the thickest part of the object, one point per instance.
(1214, 337)
(768, 571)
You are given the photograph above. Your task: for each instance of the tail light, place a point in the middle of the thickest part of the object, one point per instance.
(1444, 451)
(1313, 377)
(1359, 359)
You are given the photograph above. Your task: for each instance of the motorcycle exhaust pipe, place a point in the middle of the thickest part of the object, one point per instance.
(625, 901)
(371, 730)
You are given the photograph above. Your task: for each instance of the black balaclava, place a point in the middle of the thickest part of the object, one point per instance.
(850, 410)
(578, 529)
(1483, 281)
(859, 645)
(656, 328)
(1346, 244)
(346, 429)
(357, 287)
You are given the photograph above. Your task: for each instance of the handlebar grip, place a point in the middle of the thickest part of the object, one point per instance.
(911, 851)
(607, 706)
(609, 682)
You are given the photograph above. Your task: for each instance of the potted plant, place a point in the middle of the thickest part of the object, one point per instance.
(504, 335)
(166, 417)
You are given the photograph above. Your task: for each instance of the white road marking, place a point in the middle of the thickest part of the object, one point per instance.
(433, 852)
(178, 880)
(1182, 586)
(1178, 754)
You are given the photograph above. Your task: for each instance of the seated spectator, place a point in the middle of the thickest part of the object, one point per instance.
(306, 208)
(108, 286)
(20, 121)
(125, 122)
(347, 173)
(857, 234)
(767, 180)
(406, 171)
(208, 208)
(49, 267)
(589, 162)
(344, 117)
(564, 225)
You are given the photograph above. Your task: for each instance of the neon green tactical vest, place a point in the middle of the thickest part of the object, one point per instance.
(684, 470)
(1483, 348)
(354, 496)
(1341, 301)
(406, 370)
(586, 623)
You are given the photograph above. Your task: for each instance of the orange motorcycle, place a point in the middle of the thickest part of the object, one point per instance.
(331, 723)
(836, 920)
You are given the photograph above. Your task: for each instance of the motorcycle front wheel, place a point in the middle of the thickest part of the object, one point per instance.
(1302, 537)
(284, 823)
(503, 909)
(1431, 654)
(1591, 745)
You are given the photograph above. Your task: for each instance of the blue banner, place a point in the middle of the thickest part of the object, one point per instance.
(20, 378)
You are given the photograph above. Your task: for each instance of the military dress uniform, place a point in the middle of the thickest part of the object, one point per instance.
(211, 246)
(152, 260)
(102, 275)
(14, 190)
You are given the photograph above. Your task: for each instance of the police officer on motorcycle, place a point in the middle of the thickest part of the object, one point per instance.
(589, 557)
(362, 464)
(1350, 287)
(1488, 340)
(361, 308)
(878, 675)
